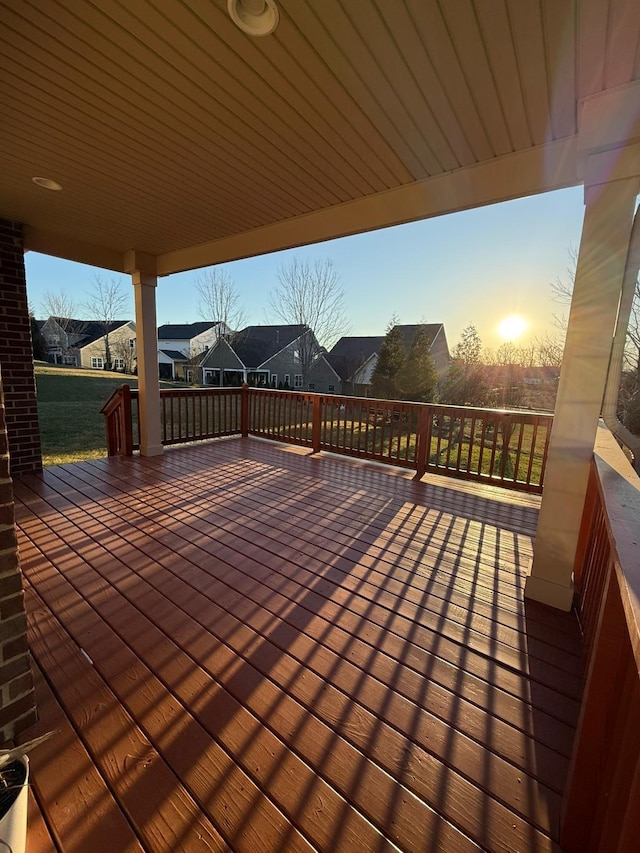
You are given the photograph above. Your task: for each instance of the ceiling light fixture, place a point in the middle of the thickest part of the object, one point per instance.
(47, 183)
(254, 17)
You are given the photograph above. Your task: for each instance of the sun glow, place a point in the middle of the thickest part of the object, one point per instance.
(512, 327)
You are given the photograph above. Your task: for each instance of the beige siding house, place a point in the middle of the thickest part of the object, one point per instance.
(122, 347)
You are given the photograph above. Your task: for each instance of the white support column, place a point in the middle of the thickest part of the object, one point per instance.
(603, 249)
(144, 286)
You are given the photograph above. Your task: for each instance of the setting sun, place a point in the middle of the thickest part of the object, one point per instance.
(511, 327)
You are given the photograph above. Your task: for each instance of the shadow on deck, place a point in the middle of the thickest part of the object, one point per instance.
(244, 647)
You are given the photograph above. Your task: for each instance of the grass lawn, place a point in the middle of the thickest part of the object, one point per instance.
(69, 403)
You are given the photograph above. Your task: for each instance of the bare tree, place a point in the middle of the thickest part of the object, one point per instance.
(104, 303)
(60, 305)
(629, 398)
(549, 350)
(310, 294)
(219, 300)
(123, 350)
(62, 308)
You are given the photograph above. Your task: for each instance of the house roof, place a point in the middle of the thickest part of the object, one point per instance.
(183, 332)
(174, 354)
(409, 331)
(350, 353)
(411, 110)
(89, 330)
(256, 344)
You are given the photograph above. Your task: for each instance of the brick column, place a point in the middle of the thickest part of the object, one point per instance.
(16, 355)
(17, 701)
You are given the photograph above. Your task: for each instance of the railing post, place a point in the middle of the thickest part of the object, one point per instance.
(126, 421)
(422, 430)
(244, 410)
(316, 423)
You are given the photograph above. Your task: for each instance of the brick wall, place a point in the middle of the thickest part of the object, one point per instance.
(17, 702)
(16, 358)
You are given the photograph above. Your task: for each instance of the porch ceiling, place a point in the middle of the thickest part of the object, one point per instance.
(170, 129)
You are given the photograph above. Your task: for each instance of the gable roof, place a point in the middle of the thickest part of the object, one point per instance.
(184, 331)
(409, 332)
(350, 353)
(89, 331)
(256, 344)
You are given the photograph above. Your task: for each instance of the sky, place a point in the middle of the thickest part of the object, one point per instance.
(477, 266)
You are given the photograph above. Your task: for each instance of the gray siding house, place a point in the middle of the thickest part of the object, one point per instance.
(355, 358)
(270, 356)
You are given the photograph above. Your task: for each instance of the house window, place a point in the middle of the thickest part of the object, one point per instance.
(312, 386)
(69, 359)
(297, 382)
(132, 343)
(118, 363)
(96, 362)
(274, 380)
(332, 389)
(287, 380)
(54, 341)
(189, 375)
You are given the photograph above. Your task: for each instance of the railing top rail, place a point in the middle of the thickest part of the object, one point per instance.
(208, 390)
(375, 401)
(619, 488)
(112, 400)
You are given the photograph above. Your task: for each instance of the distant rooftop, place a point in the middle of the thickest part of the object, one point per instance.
(184, 331)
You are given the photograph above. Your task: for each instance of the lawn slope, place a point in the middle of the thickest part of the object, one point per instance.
(69, 403)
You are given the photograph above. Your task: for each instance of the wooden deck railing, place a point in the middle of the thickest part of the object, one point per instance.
(488, 445)
(602, 801)
(503, 448)
(198, 414)
(187, 415)
(120, 422)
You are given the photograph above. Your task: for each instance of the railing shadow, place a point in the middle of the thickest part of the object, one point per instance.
(315, 621)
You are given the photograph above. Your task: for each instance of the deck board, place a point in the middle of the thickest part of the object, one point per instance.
(321, 654)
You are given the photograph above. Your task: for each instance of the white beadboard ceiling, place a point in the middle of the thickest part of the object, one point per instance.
(169, 128)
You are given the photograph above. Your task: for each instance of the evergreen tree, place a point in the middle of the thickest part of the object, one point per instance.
(469, 347)
(419, 378)
(467, 382)
(386, 379)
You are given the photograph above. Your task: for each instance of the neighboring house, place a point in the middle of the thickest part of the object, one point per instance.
(544, 375)
(190, 338)
(439, 349)
(122, 346)
(171, 363)
(268, 356)
(61, 336)
(81, 343)
(355, 358)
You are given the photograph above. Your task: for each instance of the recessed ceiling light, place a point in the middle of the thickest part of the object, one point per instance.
(47, 183)
(254, 17)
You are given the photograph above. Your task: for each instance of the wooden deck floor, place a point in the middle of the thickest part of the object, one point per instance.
(245, 647)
